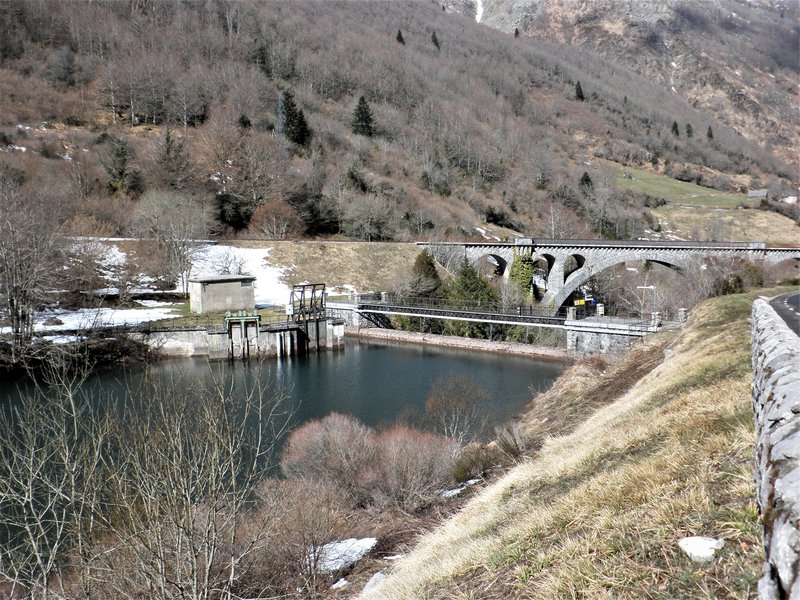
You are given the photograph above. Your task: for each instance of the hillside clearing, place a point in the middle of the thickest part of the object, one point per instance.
(598, 512)
(739, 224)
(675, 191)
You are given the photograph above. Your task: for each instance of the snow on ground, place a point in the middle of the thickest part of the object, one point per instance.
(340, 584)
(456, 491)
(340, 555)
(86, 318)
(221, 259)
(212, 259)
(478, 11)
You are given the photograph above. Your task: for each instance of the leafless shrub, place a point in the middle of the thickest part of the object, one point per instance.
(455, 406)
(336, 448)
(413, 466)
(397, 468)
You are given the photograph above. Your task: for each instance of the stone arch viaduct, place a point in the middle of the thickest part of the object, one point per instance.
(567, 264)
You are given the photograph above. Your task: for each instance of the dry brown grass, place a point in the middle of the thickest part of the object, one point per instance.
(599, 511)
(561, 408)
(737, 224)
(367, 266)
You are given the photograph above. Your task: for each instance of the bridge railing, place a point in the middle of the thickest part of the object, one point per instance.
(497, 308)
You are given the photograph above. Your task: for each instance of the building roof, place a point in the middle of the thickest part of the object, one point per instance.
(222, 278)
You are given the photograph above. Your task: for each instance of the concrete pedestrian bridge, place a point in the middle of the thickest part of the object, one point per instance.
(567, 264)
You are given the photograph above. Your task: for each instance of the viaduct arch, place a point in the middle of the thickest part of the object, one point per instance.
(594, 256)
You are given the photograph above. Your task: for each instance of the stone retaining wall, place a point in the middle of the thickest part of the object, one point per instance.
(452, 341)
(776, 401)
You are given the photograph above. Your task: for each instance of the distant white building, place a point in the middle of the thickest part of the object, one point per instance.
(220, 293)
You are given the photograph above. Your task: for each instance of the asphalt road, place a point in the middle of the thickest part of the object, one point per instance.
(788, 308)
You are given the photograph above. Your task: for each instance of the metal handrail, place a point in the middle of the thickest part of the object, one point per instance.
(401, 300)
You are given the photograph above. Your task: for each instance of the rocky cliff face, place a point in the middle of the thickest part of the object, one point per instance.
(737, 59)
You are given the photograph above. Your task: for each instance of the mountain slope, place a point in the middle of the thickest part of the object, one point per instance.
(736, 59)
(472, 126)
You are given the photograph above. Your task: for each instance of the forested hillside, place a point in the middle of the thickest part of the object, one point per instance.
(736, 59)
(250, 115)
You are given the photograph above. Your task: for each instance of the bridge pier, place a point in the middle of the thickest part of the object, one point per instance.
(594, 256)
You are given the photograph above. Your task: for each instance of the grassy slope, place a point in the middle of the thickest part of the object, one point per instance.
(697, 212)
(367, 266)
(733, 224)
(678, 192)
(599, 511)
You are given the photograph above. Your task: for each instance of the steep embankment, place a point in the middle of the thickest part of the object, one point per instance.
(600, 509)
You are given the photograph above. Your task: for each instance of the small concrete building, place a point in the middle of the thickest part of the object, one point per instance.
(219, 293)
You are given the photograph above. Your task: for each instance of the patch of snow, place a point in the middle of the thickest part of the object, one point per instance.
(62, 339)
(154, 303)
(16, 148)
(454, 492)
(674, 90)
(738, 73)
(458, 490)
(86, 318)
(268, 288)
(374, 582)
(673, 65)
(340, 555)
(699, 548)
(340, 584)
(394, 557)
(478, 10)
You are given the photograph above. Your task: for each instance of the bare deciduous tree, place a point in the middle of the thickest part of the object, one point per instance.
(183, 486)
(276, 220)
(456, 406)
(175, 222)
(30, 246)
(51, 477)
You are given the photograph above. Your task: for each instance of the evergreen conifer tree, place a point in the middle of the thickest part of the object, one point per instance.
(468, 289)
(426, 282)
(435, 40)
(579, 92)
(522, 273)
(174, 162)
(363, 123)
(295, 125)
(516, 32)
(689, 130)
(121, 178)
(710, 133)
(400, 37)
(675, 131)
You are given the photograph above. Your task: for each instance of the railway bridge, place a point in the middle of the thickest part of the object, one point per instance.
(567, 264)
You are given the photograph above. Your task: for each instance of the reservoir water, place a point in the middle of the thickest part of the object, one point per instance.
(379, 383)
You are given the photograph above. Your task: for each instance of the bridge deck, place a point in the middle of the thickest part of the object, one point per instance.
(628, 244)
(523, 315)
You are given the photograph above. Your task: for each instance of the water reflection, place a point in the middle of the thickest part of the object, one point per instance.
(379, 383)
